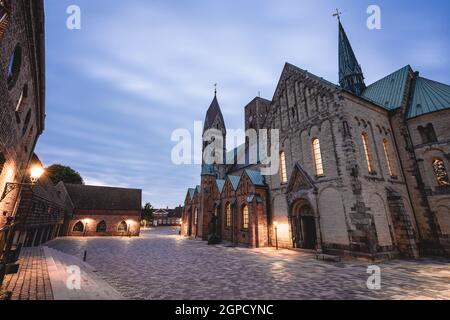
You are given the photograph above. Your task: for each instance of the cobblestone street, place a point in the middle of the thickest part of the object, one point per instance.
(162, 265)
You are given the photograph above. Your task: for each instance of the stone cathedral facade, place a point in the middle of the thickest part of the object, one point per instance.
(363, 168)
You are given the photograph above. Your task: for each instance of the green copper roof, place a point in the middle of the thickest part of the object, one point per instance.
(350, 73)
(428, 96)
(198, 189)
(255, 176)
(389, 91)
(234, 181)
(220, 184)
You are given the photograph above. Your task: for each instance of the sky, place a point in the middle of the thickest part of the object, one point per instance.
(137, 70)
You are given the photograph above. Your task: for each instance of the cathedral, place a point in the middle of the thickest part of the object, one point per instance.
(363, 169)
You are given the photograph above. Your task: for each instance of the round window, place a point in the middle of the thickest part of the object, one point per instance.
(14, 65)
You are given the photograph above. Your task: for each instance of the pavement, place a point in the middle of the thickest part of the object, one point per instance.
(161, 265)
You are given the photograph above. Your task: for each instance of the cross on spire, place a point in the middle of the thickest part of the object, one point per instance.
(338, 15)
(215, 89)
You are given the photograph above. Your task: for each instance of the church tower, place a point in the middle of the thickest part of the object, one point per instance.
(214, 120)
(210, 172)
(351, 77)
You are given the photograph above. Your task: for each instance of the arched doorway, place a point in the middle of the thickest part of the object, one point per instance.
(304, 226)
(78, 227)
(123, 227)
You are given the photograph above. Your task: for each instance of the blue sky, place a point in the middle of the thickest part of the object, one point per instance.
(137, 70)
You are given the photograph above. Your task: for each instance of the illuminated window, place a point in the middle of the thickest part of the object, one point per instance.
(365, 140)
(78, 227)
(196, 217)
(283, 172)
(245, 217)
(317, 157)
(228, 216)
(388, 158)
(122, 227)
(441, 173)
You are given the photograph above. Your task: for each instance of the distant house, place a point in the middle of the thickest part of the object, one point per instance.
(104, 211)
(167, 217)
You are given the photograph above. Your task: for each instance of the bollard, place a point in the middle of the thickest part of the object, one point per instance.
(85, 255)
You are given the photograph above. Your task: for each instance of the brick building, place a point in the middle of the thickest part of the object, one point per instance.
(167, 217)
(43, 212)
(104, 211)
(363, 169)
(22, 98)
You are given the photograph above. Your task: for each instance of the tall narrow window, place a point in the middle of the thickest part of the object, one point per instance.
(283, 171)
(245, 217)
(365, 140)
(228, 216)
(317, 153)
(441, 173)
(388, 157)
(196, 217)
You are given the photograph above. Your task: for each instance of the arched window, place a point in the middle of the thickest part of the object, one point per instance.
(387, 154)
(15, 63)
(428, 134)
(228, 216)
(283, 171)
(367, 152)
(196, 216)
(245, 217)
(4, 16)
(317, 153)
(101, 227)
(78, 227)
(440, 172)
(123, 227)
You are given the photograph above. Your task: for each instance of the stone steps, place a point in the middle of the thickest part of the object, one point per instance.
(92, 287)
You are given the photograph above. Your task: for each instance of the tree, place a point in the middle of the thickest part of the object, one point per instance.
(147, 212)
(58, 172)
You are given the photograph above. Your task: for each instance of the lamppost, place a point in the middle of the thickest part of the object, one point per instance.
(129, 230)
(7, 256)
(275, 223)
(85, 229)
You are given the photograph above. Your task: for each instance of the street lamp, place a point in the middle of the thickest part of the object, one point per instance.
(275, 224)
(35, 173)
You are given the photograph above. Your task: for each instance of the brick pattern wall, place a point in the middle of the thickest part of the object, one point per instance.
(91, 218)
(17, 138)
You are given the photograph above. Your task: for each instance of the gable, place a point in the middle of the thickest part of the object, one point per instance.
(299, 180)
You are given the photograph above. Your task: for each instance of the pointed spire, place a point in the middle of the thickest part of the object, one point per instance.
(214, 114)
(351, 77)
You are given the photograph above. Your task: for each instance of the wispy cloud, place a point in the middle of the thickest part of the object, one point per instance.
(140, 69)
